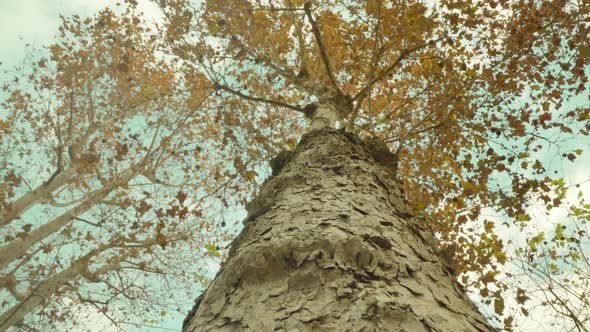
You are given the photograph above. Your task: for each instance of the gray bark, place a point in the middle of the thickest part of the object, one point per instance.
(328, 245)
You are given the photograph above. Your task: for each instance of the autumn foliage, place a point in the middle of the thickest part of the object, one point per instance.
(468, 94)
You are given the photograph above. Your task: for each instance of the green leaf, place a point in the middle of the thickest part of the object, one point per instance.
(523, 155)
(536, 240)
(212, 250)
(522, 217)
(558, 182)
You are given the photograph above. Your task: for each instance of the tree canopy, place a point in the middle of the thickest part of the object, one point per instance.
(149, 130)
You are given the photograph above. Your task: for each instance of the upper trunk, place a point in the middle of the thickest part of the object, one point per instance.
(328, 246)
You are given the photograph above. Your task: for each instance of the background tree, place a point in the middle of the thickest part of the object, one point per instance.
(105, 171)
(557, 264)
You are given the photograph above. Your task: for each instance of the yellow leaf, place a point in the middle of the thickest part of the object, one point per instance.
(250, 175)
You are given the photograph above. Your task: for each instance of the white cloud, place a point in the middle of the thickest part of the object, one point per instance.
(36, 22)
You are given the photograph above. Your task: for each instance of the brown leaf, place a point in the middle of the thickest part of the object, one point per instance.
(571, 157)
(123, 67)
(181, 196)
(499, 305)
(521, 296)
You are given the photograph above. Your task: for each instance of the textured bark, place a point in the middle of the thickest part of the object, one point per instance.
(328, 245)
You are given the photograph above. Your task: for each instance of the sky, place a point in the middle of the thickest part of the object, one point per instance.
(35, 22)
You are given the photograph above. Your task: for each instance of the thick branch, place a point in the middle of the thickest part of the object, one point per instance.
(257, 99)
(318, 39)
(20, 246)
(38, 195)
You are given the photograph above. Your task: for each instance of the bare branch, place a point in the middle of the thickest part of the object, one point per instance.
(51, 285)
(374, 60)
(257, 99)
(95, 224)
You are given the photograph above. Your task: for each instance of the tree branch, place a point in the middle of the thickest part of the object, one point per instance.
(316, 33)
(404, 53)
(40, 194)
(257, 99)
(13, 250)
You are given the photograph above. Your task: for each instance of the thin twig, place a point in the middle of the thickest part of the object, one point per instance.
(404, 53)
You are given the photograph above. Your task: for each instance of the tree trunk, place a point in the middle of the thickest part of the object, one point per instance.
(328, 245)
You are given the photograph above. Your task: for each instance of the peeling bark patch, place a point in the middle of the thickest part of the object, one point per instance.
(380, 241)
(329, 246)
(265, 231)
(411, 270)
(413, 287)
